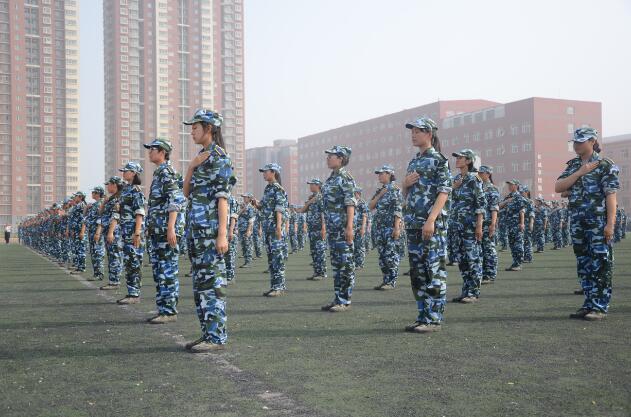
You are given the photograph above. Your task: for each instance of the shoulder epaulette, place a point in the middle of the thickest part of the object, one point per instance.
(219, 151)
(609, 161)
(441, 156)
(571, 161)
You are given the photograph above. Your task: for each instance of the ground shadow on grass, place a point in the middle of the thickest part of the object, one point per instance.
(21, 306)
(31, 290)
(44, 353)
(315, 333)
(70, 324)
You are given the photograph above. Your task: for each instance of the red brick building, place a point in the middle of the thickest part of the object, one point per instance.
(526, 139)
(618, 148)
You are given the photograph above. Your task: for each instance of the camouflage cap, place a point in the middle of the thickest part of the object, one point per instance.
(340, 151)
(513, 181)
(131, 166)
(423, 123)
(467, 153)
(485, 169)
(160, 143)
(524, 189)
(273, 166)
(205, 116)
(99, 190)
(78, 194)
(67, 200)
(56, 206)
(315, 181)
(358, 189)
(540, 199)
(584, 134)
(115, 180)
(385, 168)
(250, 195)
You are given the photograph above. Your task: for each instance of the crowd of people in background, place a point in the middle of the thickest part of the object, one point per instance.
(437, 216)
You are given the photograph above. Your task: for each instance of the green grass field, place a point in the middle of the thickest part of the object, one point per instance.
(67, 350)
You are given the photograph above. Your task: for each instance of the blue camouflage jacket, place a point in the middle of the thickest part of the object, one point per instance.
(165, 196)
(338, 192)
(274, 200)
(389, 206)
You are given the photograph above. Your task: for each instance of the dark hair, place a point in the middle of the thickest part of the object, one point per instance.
(491, 178)
(215, 131)
(435, 141)
(596, 146)
(527, 192)
(471, 167)
(392, 178)
(167, 155)
(119, 187)
(277, 177)
(136, 180)
(345, 160)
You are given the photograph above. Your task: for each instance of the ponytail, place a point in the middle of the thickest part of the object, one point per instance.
(277, 177)
(596, 146)
(435, 141)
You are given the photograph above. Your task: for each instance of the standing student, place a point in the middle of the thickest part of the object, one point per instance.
(489, 253)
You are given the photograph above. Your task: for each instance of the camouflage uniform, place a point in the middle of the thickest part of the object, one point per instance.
(114, 249)
(317, 244)
(555, 222)
(502, 229)
(75, 221)
(165, 197)
(489, 253)
(274, 200)
(97, 249)
(338, 192)
(231, 255)
(361, 210)
(541, 217)
(515, 236)
(427, 257)
(388, 208)
(618, 228)
(565, 230)
(257, 238)
(293, 234)
(467, 202)
(588, 213)
(213, 179)
(245, 221)
(131, 203)
(301, 236)
(529, 213)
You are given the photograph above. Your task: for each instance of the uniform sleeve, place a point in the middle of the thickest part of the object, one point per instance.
(609, 181)
(480, 199)
(280, 200)
(569, 170)
(224, 179)
(348, 190)
(138, 204)
(443, 178)
(171, 188)
(494, 200)
(397, 203)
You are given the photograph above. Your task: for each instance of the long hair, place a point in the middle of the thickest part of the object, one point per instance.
(215, 131)
(471, 167)
(392, 178)
(345, 160)
(596, 146)
(136, 180)
(491, 178)
(435, 141)
(277, 177)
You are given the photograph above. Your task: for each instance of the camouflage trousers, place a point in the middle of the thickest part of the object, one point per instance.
(527, 244)
(452, 243)
(403, 243)
(516, 243)
(301, 239)
(343, 264)
(165, 268)
(428, 274)
(209, 286)
(359, 255)
(97, 253)
(231, 259)
(286, 247)
(66, 249)
(293, 239)
(594, 260)
(502, 234)
(539, 238)
(276, 252)
(132, 261)
(389, 250)
(78, 252)
(489, 255)
(469, 259)
(258, 244)
(317, 247)
(114, 258)
(565, 233)
(247, 247)
(557, 236)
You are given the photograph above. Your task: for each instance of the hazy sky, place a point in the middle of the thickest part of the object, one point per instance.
(320, 64)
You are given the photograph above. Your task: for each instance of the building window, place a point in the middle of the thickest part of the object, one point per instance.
(527, 146)
(515, 166)
(514, 148)
(526, 166)
(569, 110)
(570, 128)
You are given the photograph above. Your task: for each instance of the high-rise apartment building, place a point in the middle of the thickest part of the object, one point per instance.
(39, 105)
(163, 60)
